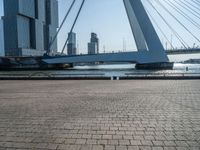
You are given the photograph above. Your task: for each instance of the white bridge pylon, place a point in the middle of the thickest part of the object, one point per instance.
(150, 49)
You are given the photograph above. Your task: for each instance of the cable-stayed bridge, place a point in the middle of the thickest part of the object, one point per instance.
(177, 24)
(145, 31)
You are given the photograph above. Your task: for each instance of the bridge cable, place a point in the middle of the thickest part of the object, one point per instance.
(173, 31)
(192, 4)
(189, 7)
(187, 17)
(178, 21)
(73, 25)
(180, 4)
(160, 29)
(56, 35)
(196, 2)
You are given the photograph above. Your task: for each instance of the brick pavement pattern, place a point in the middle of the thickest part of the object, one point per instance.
(100, 115)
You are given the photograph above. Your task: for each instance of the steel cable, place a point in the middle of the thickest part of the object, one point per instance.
(187, 17)
(73, 25)
(174, 32)
(177, 20)
(67, 14)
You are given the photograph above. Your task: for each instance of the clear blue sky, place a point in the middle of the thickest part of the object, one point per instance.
(108, 19)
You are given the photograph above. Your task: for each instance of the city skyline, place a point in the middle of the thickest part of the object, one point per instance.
(109, 20)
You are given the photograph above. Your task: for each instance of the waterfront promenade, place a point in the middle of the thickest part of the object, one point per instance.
(100, 115)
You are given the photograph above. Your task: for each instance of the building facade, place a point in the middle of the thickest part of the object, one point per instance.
(93, 46)
(71, 46)
(29, 26)
(2, 51)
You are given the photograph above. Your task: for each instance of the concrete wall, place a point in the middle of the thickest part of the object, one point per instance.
(54, 13)
(2, 51)
(23, 7)
(52, 32)
(41, 13)
(39, 34)
(52, 22)
(10, 33)
(23, 30)
(27, 8)
(10, 7)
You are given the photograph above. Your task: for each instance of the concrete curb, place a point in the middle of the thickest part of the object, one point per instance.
(105, 78)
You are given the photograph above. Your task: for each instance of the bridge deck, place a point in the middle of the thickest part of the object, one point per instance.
(133, 57)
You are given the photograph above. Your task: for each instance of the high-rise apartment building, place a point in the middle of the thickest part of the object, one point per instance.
(29, 26)
(71, 46)
(93, 46)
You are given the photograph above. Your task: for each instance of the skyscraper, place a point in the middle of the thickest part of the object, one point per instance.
(29, 26)
(93, 46)
(71, 46)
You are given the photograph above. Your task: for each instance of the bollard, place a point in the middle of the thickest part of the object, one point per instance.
(114, 78)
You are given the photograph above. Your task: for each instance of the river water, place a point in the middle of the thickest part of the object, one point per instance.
(122, 69)
(119, 70)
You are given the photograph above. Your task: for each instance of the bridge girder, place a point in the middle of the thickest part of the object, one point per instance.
(131, 57)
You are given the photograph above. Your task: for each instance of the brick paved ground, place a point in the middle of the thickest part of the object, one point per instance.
(100, 115)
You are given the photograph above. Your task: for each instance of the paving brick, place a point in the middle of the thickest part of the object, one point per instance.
(86, 136)
(80, 141)
(181, 143)
(96, 137)
(86, 147)
(182, 148)
(158, 143)
(117, 137)
(74, 147)
(138, 137)
(107, 137)
(133, 148)
(169, 148)
(169, 143)
(149, 137)
(88, 115)
(110, 132)
(52, 146)
(145, 148)
(63, 147)
(108, 147)
(91, 142)
(128, 137)
(157, 148)
(102, 142)
(121, 147)
(124, 142)
(135, 142)
(146, 143)
(70, 141)
(97, 147)
(113, 142)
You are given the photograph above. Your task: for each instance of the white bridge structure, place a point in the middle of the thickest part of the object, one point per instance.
(149, 46)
